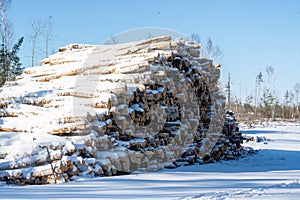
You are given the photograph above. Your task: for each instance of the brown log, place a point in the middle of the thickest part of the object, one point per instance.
(155, 40)
(5, 129)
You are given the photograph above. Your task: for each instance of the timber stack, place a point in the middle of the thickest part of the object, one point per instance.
(98, 110)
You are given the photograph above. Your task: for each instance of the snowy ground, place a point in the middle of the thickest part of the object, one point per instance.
(272, 173)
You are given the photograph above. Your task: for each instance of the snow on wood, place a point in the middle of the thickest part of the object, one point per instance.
(23, 162)
(92, 106)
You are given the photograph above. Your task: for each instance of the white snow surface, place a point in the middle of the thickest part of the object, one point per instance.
(272, 173)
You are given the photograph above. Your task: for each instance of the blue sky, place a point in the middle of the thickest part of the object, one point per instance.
(252, 34)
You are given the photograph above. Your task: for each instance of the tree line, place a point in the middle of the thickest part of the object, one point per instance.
(264, 103)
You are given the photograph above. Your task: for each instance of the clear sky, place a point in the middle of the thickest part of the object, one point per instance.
(252, 34)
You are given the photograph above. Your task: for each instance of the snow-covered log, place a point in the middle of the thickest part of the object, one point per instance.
(36, 160)
(109, 109)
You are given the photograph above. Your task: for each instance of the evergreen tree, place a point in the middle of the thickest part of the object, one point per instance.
(10, 65)
(268, 102)
(248, 103)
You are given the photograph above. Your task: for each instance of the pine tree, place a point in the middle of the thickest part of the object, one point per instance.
(269, 102)
(10, 65)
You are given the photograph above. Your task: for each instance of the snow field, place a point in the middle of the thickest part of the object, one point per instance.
(272, 173)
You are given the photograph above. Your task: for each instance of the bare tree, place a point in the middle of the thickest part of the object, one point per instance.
(47, 31)
(196, 38)
(6, 34)
(36, 27)
(271, 76)
(6, 26)
(211, 51)
(5, 37)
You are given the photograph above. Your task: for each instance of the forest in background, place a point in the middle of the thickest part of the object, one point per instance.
(265, 102)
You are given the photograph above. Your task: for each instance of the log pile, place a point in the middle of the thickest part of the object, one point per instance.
(135, 106)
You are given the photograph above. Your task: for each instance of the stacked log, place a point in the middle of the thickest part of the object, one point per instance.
(60, 166)
(135, 106)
